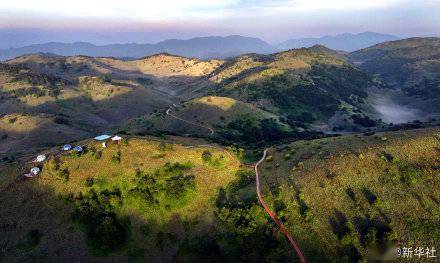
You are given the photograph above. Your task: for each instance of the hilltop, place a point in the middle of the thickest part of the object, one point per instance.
(143, 199)
(302, 86)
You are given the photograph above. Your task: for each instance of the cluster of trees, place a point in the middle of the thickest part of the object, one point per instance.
(426, 89)
(364, 121)
(322, 88)
(173, 180)
(244, 233)
(51, 84)
(23, 92)
(247, 129)
(96, 213)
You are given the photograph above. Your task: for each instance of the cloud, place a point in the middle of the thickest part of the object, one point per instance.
(255, 17)
(140, 9)
(181, 9)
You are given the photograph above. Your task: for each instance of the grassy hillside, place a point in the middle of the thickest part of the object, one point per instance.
(169, 73)
(410, 64)
(145, 199)
(345, 197)
(48, 204)
(297, 83)
(221, 118)
(54, 107)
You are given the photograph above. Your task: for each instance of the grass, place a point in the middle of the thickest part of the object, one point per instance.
(45, 203)
(346, 195)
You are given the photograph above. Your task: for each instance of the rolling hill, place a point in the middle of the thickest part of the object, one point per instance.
(302, 86)
(298, 89)
(219, 118)
(180, 186)
(410, 65)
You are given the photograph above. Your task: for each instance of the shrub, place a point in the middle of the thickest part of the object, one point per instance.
(206, 156)
(386, 156)
(98, 155)
(64, 174)
(171, 180)
(12, 120)
(269, 158)
(364, 121)
(165, 146)
(89, 182)
(116, 158)
(158, 155)
(61, 120)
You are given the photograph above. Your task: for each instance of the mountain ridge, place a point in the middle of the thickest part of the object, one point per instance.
(200, 47)
(346, 41)
(206, 47)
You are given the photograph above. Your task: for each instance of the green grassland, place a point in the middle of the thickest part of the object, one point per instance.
(148, 199)
(233, 121)
(344, 197)
(142, 200)
(110, 184)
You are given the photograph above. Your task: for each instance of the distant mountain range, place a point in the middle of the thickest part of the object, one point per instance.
(200, 47)
(346, 42)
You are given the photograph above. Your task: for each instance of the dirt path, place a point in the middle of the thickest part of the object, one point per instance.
(211, 131)
(273, 215)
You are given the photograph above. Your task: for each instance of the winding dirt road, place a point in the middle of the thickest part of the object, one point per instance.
(273, 215)
(260, 196)
(211, 131)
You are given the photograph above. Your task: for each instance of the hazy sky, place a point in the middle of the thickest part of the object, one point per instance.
(272, 20)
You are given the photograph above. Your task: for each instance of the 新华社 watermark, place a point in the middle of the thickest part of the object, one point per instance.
(416, 252)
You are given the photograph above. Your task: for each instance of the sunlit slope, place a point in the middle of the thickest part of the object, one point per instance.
(69, 109)
(344, 197)
(289, 84)
(140, 199)
(211, 116)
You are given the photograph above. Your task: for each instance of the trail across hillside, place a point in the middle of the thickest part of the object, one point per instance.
(272, 214)
(211, 131)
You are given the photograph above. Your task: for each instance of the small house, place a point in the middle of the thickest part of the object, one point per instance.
(67, 147)
(41, 158)
(77, 149)
(33, 172)
(103, 137)
(116, 139)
